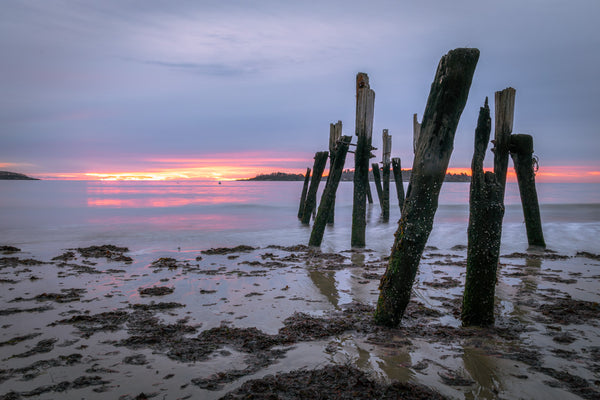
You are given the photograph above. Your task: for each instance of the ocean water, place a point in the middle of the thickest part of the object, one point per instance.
(48, 216)
(179, 219)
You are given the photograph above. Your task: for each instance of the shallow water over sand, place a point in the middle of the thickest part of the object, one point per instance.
(536, 351)
(149, 216)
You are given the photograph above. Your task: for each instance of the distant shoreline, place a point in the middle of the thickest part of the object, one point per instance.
(15, 176)
(348, 175)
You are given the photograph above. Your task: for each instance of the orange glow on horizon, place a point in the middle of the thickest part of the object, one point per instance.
(244, 165)
(550, 173)
(222, 167)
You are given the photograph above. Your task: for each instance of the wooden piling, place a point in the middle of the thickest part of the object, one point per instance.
(335, 135)
(386, 151)
(311, 196)
(328, 196)
(365, 102)
(303, 195)
(397, 169)
(447, 98)
(368, 190)
(416, 132)
(385, 175)
(486, 210)
(377, 180)
(521, 150)
(504, 102)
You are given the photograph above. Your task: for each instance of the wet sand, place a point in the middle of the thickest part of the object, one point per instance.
(244, 322)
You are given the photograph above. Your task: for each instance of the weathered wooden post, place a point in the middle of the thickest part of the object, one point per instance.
(377, 180)
(504, 102)
(397, 169)
(447, 99)
(335, 134)
(385, 161)
(365, 103)
(521, 150)
(328, 196)
(416, 135)
(486, 210)
(311, 197)
(303, 195)
(368, 190)
(416, 132)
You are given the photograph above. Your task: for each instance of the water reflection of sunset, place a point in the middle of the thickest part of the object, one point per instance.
(166, 194)
(180, 222)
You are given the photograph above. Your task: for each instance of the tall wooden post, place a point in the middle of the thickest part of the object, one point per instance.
(416, 135)
(416, 132)
(328, 197)
(335, 134)
(397, 169)
(385, 161)
(303, 195)
(385, 177)
(377, 180)
(486, 210)
(447, 99)
(368, 190)
(505, 109)
(365, 103)
(521, 150)
(311, 197)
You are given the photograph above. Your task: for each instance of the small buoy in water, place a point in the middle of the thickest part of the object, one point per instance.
(219, 182)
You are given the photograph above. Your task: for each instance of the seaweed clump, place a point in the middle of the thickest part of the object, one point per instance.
(330, 382)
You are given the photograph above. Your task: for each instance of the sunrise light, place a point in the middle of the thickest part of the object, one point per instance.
(245, 165)
(235, 166)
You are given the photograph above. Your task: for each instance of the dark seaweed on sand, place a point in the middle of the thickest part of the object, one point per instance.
(330, 382)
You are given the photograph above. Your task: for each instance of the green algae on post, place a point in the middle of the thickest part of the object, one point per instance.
(447, 99)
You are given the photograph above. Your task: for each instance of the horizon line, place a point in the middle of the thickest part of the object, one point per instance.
(556, 174)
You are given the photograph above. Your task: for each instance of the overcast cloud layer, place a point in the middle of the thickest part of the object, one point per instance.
(105, 85)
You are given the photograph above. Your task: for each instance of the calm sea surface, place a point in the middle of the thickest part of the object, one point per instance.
(47, 216)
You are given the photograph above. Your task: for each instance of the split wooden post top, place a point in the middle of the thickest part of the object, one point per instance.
(335, 134)
(503, 125)
(365, 99)
(387, 148)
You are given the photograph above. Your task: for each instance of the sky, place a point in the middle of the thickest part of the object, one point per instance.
(227, 89)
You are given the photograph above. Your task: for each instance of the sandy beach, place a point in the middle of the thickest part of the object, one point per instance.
(245, 322)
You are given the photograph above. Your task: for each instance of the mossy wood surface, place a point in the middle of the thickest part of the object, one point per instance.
(397, 169)
(365, 103)
(377, 180)
(304, 191)
(328, 196)
(385, 203)
(486, 210)
(447, 99)
(311, 197)
(521, 152)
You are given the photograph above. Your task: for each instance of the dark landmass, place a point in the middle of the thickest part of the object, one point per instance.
(348, 175)
(16, 176)
(276, 176)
